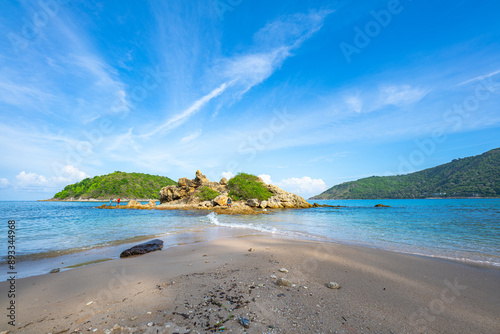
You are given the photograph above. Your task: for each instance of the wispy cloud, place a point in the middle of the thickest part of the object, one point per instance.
(191, 137)
(183, 116)
(400, 95)
(354, 102)
(274, 43)
(481, 77)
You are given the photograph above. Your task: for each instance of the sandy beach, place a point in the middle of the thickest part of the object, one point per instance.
(223, 284)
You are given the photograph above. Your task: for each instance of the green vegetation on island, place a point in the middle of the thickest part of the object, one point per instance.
(207, 194)
(114, 185)
(477, 176)
(247, 186)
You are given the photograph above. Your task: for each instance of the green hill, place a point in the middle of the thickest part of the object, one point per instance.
(477, 176)
(117, 184)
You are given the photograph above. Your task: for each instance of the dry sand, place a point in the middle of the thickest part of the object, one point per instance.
(193, 288)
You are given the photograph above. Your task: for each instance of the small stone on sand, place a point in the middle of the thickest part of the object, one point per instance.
(333, 285)
(283, 282)
(283, 270)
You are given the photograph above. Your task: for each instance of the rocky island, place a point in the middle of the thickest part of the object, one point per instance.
(248, 194)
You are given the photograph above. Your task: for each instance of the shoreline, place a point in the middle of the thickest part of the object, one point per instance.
(370, 279)
(96, 200)
(392, 199)
(44, 262)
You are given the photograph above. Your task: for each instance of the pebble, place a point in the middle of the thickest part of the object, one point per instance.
(89, 303)
(283, 270)
(273, 276)
(150, 324)
(283, 282)
(251, 250)
(333, 285)
(244, 322)
(53, 271)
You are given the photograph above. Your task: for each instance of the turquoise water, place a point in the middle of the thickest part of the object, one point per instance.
(461, 229)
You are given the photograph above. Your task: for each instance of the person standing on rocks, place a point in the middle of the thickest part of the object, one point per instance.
(110, 202)
(229, 202)
(118, 202)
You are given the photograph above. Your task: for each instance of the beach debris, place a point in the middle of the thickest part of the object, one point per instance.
(281, 295)
(150, 246)
(283, 270)
(382, 206)
(89, 303)
(273, 276)
(5, 332)
(251, 250)
(333, 285)
(53, 271)
(244, 322)
(283, 282)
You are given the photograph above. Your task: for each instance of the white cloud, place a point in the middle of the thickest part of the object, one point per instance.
(354, 102)
(70, 174)
(191, 137)
(266, 178)
(227, 175)
(304, 185)
(401, 95)
(4, 183)
(194, 108)
(481, 77)
(29, 180)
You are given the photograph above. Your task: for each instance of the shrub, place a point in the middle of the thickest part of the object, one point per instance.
(246, 186)
(207, 194)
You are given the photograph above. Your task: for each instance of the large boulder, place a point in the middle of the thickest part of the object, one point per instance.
(286, 199)
(150, 246)
(273, 203)
(223, 181)
(220, 200)
(182, 182)
(253, 202)
(132, 203)
(200, 179)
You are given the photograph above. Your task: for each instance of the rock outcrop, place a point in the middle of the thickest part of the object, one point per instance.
(185, 195)
(150, 246)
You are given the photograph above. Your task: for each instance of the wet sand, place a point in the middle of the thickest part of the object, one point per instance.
(219, 286)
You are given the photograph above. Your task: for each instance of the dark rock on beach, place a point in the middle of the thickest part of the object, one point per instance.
(144, 248)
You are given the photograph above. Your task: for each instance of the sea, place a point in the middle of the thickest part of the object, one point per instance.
(65, 235)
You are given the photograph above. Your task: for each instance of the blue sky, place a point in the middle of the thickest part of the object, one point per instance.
(308, 94)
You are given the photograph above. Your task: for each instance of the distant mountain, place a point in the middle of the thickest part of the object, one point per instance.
(114, 185)
(477, 176)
